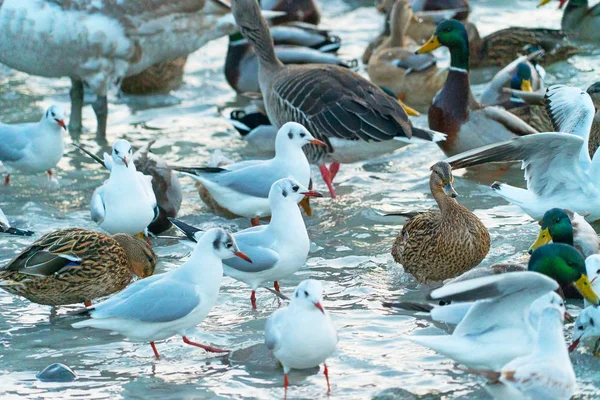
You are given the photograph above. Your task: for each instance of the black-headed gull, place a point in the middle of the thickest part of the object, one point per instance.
(302, 334)
(6, 228)
(278, 249)
(169, 304)
(587, 325)
(243, 188)
(125, 203)
(33, 147)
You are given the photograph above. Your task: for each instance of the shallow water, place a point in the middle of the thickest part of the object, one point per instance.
(350, 252)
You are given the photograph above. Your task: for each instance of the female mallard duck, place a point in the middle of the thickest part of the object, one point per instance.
(558, 167)
(159, 78)
(354, 117)
(6, 228)
(565, 226)
(439, 245)
(578, 20)
(76, 265)
(414, 78)
(455, 111)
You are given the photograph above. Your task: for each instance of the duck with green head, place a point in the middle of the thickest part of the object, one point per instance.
(455, 111)
(564, 226)
(566, 265)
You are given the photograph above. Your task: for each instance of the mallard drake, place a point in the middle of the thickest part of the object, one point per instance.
(76, 265)
(6, 228)
(439, 245)
(159, 78)
(413, 78)
(455, 111)
(579, 20)
(565, 226)
(354, 117)
(558, 167)
(295, 10)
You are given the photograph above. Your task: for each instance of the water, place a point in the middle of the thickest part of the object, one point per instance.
(350, 254)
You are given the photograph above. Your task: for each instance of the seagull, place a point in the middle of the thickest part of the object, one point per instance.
(6, 228)
(587, 325)
(125, 203)
(33, 147)
(278, 249)
(558, 169)
(169, 304)
(500, 326)
(243, 188)
(302, 334)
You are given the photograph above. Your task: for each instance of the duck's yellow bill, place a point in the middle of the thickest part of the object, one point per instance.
(409, 110)
(526, 85)
(544, 2)
(542, 239)
(585, 288)
(430, 46)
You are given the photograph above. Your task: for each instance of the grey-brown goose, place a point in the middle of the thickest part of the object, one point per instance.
(355, 118)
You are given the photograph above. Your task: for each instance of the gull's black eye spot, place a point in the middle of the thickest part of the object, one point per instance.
(305, 293)
(295, 188)
(591, 322)
(580, 327)
(229, 245)
(116, 152)
(53, 114)
(302, 134)
(291, 135)
(284, 193)
(297, 294)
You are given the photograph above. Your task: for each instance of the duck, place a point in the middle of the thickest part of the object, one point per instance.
(579, 20)
(295, 10)
(439, 245)
(76, 266)
(159, 78)
(100, 49)
(255, 128)
(354, 117)
(454, 111)
(565, 226)
(558, 168)
(33, 147)
(413, 78)
(6, 228)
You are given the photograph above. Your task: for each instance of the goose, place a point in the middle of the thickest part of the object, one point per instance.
(354, 117)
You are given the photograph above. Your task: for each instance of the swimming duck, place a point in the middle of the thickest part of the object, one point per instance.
(354, 117)
(76, 265)
(413, 78)
(454, 110)
(565, 226)
(579, 21)
(439, 245)
(6, 228)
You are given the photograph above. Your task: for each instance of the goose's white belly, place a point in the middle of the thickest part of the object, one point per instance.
(349, 151)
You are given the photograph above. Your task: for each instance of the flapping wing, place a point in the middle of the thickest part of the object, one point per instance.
(550, 160)
(273, 329)
(338, 103)
(568, 108)
(98, 211)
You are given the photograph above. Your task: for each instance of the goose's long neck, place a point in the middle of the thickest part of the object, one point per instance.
(399, 20)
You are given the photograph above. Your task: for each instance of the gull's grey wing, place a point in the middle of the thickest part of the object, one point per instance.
(98, 211)
(273, 329)
(13, 143)
(160, 301)
(254, 246)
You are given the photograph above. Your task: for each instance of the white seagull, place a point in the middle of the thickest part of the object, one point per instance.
(501, 325)
(587, 325)
(33, 147)
(243, 188)
(302, 335)
(125, 203)
(169, 304)
(278, 249)
(6, 228)
(558, 169)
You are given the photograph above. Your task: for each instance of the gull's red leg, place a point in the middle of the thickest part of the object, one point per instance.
(286, 383)
(255, 221)
(154, 350)
(202, 346)
(253, 299)
(326, 373)
(276, 286)
(327, 178)
(333, 169)
(87, 303)
(7, 179)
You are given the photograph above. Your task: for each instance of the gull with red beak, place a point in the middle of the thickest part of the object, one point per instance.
(278, 249)
(125, 203)
(587, 325)
(169, 304)
(33, 147)
(302, 335)
(243, 188)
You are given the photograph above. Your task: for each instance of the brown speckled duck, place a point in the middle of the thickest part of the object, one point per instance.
(76, 265)
(439, 245)
(455, 111)
(159, 78)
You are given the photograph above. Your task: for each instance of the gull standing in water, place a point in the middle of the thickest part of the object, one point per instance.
(302, 335)
(243, 188)
(169, 304)
(278, 249)
(33, 147)
(125, 203)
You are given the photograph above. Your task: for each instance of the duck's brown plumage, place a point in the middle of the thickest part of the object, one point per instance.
(159, 78)
(105, 265)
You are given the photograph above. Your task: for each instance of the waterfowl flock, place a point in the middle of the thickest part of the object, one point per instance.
(423, 249)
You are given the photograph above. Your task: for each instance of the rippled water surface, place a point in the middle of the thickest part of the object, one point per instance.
(350, 252)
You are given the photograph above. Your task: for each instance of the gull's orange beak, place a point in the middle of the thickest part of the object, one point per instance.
(61, 123)
(125, 161)
(312, 193)
(243, 256)
(318, 142)
(573, 345)
(320, 307)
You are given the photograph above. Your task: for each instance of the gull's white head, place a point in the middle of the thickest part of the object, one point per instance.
(55, 117)
(592, 266)
(308, 296)
(221, 242)
(549, 300)
(122, 153)
(289, 190)
(586, 325)
(292, 135)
